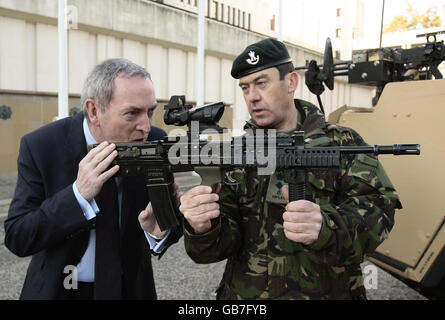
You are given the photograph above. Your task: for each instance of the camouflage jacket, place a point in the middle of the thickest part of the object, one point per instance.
(357, 206)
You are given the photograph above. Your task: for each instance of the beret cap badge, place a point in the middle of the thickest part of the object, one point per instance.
(253, 60)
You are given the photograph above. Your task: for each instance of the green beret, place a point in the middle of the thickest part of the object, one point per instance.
(262, 55)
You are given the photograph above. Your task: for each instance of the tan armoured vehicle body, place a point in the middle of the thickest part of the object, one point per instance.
(409, 106)
(410, 111)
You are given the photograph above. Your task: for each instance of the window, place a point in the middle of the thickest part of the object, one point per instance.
(215, 3)
(337, 54)
(338, 12)
(213, 10)
(338, 33)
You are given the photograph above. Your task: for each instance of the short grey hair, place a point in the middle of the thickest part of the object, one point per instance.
(99, 85)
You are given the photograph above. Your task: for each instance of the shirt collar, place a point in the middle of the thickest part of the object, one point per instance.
(88, 136)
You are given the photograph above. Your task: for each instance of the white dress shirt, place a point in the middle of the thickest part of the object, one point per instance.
(85, 268)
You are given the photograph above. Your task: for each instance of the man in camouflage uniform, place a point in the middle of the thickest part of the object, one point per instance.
(302, 249)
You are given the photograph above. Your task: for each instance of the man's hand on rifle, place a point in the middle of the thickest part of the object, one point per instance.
(148, 221)
(199, 206)
(302, 220)
(93, 171)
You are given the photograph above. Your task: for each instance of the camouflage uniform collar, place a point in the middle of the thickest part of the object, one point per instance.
(310, 120)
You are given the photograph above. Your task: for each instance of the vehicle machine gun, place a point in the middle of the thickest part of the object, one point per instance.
(377, 67)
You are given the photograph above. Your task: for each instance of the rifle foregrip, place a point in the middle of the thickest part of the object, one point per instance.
(296, 191)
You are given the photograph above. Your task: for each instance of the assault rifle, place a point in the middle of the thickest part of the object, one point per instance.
(214, 160)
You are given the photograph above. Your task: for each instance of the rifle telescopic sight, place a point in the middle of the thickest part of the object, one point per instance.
(178, 113)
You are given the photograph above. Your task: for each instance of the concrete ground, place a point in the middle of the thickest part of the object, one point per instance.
(177, 276)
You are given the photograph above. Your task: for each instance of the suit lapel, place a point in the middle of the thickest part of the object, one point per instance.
(74, 151)
(75, 146)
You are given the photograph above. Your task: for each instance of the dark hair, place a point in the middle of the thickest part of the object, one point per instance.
(284, 69)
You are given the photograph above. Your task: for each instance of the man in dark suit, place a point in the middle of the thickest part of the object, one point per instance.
(91, 235)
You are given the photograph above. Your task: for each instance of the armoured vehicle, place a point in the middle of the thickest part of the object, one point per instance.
(409, 106)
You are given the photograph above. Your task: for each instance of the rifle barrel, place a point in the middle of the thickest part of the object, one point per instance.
(396, 149)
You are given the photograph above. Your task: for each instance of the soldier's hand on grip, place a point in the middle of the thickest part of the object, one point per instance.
(199, 206)
(302, 220)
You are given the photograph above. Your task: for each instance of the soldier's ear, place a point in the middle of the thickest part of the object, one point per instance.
(293, 81)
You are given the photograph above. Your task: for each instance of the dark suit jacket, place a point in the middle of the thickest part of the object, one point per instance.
(46, 221)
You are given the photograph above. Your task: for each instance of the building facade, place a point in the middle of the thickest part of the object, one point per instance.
(154, 34)
(253, 15)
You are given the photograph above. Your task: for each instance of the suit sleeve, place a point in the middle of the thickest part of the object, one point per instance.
(37, 221)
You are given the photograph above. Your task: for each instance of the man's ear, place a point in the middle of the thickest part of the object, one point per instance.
(293, 81)
(93, 110)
